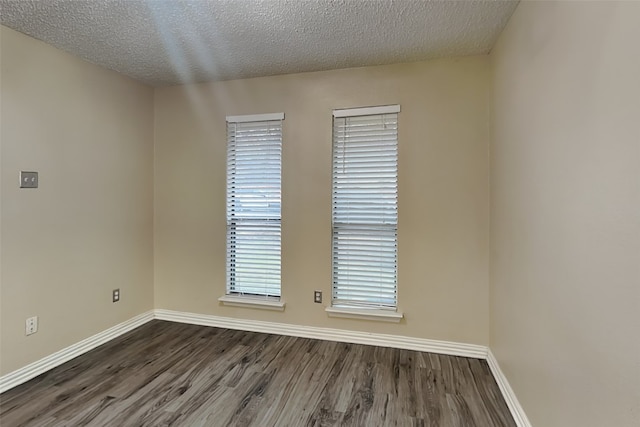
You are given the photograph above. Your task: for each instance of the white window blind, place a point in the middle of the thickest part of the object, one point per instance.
(365, 207)
(254, 152)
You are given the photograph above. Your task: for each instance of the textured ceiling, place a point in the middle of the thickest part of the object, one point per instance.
(165, 42)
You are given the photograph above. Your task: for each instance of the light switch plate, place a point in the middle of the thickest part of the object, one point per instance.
(28, 179)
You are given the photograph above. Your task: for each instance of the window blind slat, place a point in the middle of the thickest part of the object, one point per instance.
(254, 153)
(365, 210)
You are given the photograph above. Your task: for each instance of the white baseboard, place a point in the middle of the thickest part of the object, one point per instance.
(507, 392)
(328, 334)
(43, 365)
(381, 340)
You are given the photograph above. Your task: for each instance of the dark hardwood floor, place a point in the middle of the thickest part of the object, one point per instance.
(171, 374)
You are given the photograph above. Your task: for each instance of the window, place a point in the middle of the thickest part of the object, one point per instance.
(254, 153)
(365, 207)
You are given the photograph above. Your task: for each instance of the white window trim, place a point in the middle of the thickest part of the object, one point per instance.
(258, 301)
(366, 111)
(255, 118)
(252, 302)
(370, 313)
(365, 314)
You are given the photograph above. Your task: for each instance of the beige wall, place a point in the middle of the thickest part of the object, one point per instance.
(565, 211)
(443, 192)
(88, 228)
(564, 310)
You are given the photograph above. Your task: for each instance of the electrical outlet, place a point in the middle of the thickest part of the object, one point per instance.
(31, 325)
(28, 179)
(317, 297)
(115, 296)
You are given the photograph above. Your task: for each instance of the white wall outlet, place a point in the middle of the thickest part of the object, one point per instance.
(31, 325)
(115, 296)
(317, 297)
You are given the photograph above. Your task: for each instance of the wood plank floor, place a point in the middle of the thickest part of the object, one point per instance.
(171, 374)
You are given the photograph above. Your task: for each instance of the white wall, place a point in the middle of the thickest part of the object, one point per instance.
(564, 291)
(565, 211)
(443, 232)
(88, 228)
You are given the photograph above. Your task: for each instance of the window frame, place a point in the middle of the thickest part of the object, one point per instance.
(339, 306)
(238, 296)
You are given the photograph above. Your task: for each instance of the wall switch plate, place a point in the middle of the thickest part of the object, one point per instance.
(317, 297)
(28, 179)
(115, 296)
(31, 325)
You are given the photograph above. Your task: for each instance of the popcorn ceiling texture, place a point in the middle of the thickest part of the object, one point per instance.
(165, 42)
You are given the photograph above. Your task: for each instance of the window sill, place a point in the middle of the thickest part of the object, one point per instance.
(249, 302)
(365, 314)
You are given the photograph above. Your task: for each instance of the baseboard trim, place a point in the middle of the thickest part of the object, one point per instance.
(356, 337)
(47, 363)
(43, 365)
(507, 392)
(328, 334)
